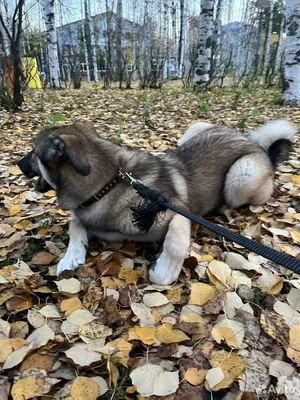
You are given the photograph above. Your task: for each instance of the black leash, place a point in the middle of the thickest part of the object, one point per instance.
(146, 214)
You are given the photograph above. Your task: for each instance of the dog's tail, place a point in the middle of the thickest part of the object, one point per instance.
(193, 130)
(275, 138)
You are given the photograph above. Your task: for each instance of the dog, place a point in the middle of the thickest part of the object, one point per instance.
(214, 165)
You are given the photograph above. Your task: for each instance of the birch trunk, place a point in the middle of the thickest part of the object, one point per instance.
(181, 47)
(279, 46)
(174, 34)
(268, 39)
(119, 41)
(86, 55)
(91, 34)
(5, 39)
(203, 61)
(165, 40)
(216, 38)
(291, 89)
(49, 18)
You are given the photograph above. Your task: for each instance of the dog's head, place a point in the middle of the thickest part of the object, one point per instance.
(59, 156)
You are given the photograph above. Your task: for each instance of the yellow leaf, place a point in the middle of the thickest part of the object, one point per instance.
(84, 388)
(15, 171)
(201, 293)
(14, 210)
(275, 326)
(295, 179)
(294, 335)
(221, 271)
(231, 365)
(146, 334)
(206, 258)
(226, 334)
(5, 349)
(50, 193)
(153, 137)
(295, 236)
(166, 334)
(130, 275)
(195, 376)
(123, 347)
(294, 355)
(191, 318)
(70, 305)
(27, 388)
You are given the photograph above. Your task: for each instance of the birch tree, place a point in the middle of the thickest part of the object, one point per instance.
(268, 39)
(5, 38)
(91, 35)
(182, 39)
(49, 18)
(203, 61)
(291, 88)
(119, 41)
(216, 43)
(279, 46)
(15, 39)
(174, 35)
(165, 39)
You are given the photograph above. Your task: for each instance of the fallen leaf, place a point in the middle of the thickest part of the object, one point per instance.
(14, 210)
(231, 332)
(166, 383)
(275, 326)
(166, 334)
(43, 258)
(50, 311)
(195, 376)
(68, 306)
(214, 376)
(143, 313)
(84, 388)
(201, 293)
(80, 317)
(155, 299)
(143, 378)
(71, 285)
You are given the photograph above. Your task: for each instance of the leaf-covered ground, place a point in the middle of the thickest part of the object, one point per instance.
(228, 329)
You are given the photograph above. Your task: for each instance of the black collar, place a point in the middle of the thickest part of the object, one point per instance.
(119, 177)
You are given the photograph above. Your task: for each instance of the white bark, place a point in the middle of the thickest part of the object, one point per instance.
(91, 31)
(5, 39)
(165, 40)
(86, 56)
(182, 37)
(49, 18)
(174, 34)
(279, 47)
(268, 42)
(203, 62)
(291, 94)
(119, 39)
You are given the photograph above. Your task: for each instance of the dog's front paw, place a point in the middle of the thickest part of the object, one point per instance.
(71, 261)
(163, 273)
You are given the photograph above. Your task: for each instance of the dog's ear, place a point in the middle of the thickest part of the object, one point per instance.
(73, 151)
(69, 147)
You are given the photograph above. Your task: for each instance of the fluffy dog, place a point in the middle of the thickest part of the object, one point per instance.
(212, 166)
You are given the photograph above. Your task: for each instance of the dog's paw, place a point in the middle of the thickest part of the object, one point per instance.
(163, 273)
(71, 260)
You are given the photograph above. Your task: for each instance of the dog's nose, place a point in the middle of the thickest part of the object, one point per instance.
(25, 165)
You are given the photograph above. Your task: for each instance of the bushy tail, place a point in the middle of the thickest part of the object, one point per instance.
(275, 137)
(194, 130)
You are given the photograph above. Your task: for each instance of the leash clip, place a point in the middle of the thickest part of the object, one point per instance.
(127, 175)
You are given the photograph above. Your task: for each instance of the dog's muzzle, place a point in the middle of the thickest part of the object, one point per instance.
(26, 165)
